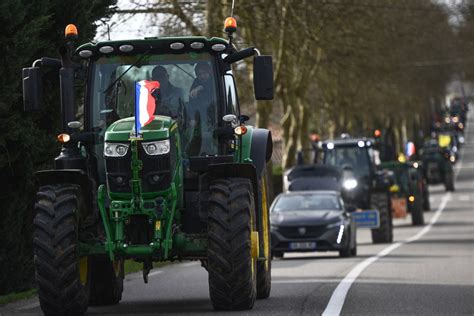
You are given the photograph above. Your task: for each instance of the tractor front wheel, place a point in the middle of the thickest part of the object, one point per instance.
(107, 281)
(63, 277)
(231, 248)
(383, 234)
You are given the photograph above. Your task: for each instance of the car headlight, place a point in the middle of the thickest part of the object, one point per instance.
(159, 147)
(115, 149)
(349, 184)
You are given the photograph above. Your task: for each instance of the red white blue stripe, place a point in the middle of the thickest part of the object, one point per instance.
(144, 103)
(410, 149)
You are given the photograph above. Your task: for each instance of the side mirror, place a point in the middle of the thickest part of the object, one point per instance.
(263, 77)
(32, 88)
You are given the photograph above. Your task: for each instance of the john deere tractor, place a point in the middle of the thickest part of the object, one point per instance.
(187, 184)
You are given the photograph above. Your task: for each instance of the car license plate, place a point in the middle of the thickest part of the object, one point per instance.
(302, 245)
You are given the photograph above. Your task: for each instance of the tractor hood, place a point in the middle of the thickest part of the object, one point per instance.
(159, 128)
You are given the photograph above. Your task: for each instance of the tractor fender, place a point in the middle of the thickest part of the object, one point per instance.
(261, 148)
(236, 170)
(70, 176)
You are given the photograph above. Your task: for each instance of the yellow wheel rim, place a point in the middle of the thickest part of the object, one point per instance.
(83, 269)
(266, 236)
(253, 245)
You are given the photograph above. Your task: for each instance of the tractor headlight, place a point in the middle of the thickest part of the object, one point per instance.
(115, 149)
(350, 184)
(155, 148)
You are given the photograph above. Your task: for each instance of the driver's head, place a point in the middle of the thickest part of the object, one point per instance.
(203, 71)
(159, 73)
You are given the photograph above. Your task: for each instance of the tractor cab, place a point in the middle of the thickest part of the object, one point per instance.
(369, 193)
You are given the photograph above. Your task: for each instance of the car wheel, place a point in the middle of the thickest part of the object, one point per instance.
(277, 254)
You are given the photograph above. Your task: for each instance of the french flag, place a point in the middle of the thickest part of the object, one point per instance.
(144, 103)
(410, 149)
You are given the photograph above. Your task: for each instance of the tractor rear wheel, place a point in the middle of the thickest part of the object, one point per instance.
(231, 248)
(426, 198)
(449, 181)
(63, 277)
(107, 281)
(383, 234)
(417, 216)
(264, 268)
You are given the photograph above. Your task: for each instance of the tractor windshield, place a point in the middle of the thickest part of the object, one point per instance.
(187, 93)
(353, 157)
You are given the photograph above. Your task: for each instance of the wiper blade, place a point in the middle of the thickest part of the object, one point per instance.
(140, 59)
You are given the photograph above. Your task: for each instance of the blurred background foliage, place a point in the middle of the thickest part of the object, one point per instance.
(340, 66)
(30, 29)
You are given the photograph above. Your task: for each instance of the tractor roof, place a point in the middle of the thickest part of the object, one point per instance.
(349, 141)
(155, 44)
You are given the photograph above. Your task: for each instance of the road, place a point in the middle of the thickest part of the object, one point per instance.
(426, 271)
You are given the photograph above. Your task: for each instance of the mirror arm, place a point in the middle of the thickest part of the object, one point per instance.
(247, 52)
(48, 62)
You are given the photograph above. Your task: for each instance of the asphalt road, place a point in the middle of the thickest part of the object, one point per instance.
(426, 271)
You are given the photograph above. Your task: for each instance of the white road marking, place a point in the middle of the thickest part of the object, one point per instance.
(154, 273)
(338, 297)
(189, 264)
(464, 198)
(336, 302)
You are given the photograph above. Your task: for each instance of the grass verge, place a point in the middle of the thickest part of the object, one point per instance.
(13, 297)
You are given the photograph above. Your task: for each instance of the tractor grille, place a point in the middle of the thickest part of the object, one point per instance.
(303, 231)
(155, 174)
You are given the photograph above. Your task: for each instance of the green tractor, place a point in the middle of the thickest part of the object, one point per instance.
(409, 193)
(190, 184)
(437, 166)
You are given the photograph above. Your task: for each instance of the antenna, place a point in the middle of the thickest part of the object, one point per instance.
(232, 9)
(108, 28)
(230, 24)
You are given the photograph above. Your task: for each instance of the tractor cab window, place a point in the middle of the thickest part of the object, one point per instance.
(353, 157)
(231, 95)
(187, 94)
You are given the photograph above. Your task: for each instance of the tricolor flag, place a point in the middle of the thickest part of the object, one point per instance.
(410, 149)
(144, 103)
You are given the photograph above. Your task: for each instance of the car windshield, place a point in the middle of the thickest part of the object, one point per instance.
(353, 157)
(187, 93)
(307, 202)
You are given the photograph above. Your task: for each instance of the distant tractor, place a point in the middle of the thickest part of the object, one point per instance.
(437, 166)
(409, 192)
(371, 188)
(152, 169)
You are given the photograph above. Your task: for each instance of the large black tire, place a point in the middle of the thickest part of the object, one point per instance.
(449, 181)
(232, 270)
(354, 248)
(417, 216)
(383, 234)
(264, 268)
(426, 198)
(62, 277)
(106, 281)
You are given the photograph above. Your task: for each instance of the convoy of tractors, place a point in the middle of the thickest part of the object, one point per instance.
(165, 168)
